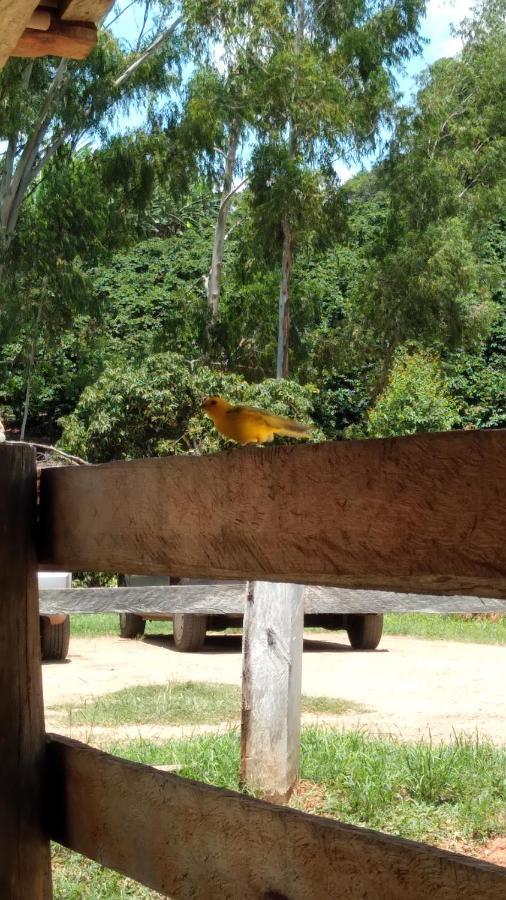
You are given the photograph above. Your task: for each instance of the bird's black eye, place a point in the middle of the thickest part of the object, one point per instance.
(213, 402)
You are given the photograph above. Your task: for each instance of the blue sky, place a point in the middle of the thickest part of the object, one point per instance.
(441, 18)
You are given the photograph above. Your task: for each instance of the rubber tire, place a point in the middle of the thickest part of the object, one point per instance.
(189, 632)
(54, 639)
(131, 626)
(365, 631)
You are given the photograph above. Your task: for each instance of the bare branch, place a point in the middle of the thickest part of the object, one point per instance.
(70, 456)
(153, 48)
(118, 15)
(238, 187)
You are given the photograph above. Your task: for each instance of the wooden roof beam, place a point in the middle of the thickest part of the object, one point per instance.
(13, 17)
(73, 40)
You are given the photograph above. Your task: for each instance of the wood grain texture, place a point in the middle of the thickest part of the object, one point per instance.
(420, 514)
(84, 10)
(272, 640)
(14, 18)
(24, 850)
(40, 20)
(72, 41)
(230, 597)
(198, 600)
(195, 842)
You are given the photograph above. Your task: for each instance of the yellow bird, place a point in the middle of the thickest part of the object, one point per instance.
(247, 425)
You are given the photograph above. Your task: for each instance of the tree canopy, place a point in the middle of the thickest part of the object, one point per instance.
(142, 266)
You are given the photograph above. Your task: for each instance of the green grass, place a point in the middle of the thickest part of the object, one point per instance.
(447, 627)
(84, 625)
(78, 878)
(188, 703)
(430, 792)
(424, 625)
(439, 793)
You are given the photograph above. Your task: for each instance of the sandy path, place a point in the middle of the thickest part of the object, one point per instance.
(411, 687)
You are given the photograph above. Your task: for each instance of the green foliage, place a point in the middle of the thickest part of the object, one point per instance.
(446, 181)
(416, 398)
(104, 275)
(153, 408)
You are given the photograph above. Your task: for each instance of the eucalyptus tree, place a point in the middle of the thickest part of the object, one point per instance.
(322, 94)
(229, 42)
(436, 279)
(54, 206)
(47, 104)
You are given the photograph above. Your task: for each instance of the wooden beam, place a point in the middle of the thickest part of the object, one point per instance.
(84, 10)
(40, 21)
(194, 842)
(271, 687)
(24, 849)
(72, 41)
(422, 514)
(230, 597)
(339, 600)
(195, 599)
(14, 18)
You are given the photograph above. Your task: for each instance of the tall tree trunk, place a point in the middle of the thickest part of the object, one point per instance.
(26, 168)
(214, 284)
(16, 180)
(284, 303)
(287, 255)
(29, 373)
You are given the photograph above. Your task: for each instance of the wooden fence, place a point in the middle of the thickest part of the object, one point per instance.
(271, 677)
(422, 514)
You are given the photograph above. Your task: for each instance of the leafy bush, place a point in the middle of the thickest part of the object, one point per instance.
(416, 398)
(153, 408)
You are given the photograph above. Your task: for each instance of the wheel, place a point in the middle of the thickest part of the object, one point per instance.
(54, 639)
(189, 632)
(130, 625)
(365, 631)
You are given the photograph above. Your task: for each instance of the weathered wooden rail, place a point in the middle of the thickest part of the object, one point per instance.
(424, 514)
(222, 597)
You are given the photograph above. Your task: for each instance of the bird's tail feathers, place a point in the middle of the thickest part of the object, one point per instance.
(289, 427)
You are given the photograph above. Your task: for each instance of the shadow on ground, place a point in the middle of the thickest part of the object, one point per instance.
(232, 643)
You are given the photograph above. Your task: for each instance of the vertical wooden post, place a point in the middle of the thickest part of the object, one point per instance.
(271, 688)
(25, 872)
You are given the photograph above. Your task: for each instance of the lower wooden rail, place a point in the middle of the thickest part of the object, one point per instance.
(196, 842)
(223, 597)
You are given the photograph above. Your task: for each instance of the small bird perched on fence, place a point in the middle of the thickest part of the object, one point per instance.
(247, 425)
(2, 432)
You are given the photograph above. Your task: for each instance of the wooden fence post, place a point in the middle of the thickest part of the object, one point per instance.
(271, 688)
(25, 870)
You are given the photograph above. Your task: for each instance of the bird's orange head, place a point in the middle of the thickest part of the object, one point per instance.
(209, 402)
(213, 405)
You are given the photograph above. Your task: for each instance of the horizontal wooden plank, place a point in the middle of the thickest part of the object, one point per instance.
(72, 41)
(230, 597)
(202, 600)
(421, 514)
(195, 842)
(340, 600)
(14, 18)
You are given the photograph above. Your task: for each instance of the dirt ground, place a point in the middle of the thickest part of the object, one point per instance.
(411, 688)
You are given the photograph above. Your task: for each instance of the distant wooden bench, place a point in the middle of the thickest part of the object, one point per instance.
(422, 515)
